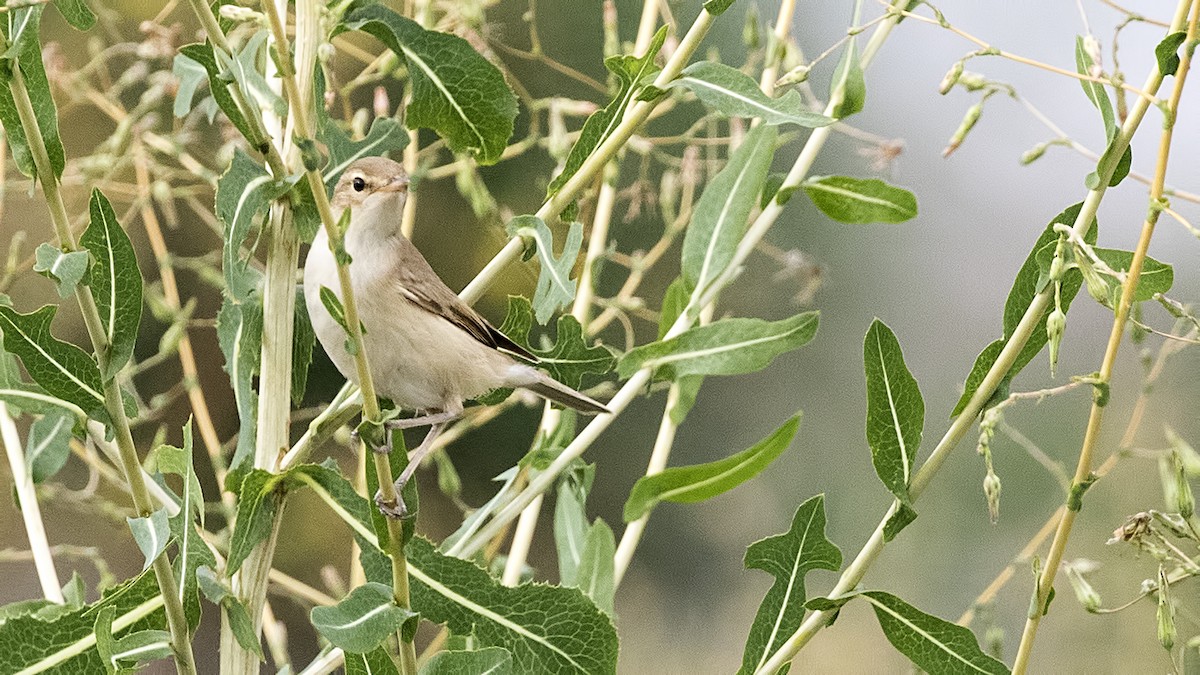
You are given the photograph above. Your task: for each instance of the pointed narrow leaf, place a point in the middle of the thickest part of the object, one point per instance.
(1025, 287)
(902, 518)
(631, 73)
(456, 92)
(860, 201)
(689, 484)
(717, 7)
(895, 410)
(243, 191)
(934, 645)
(570, 358)
(1098, 95)
(22, 27)
(596, 568)
(733, 93)
(362, 620)
(202, 55)
(152, 534)
(725, 347)
(49, 444)
(849, 75)
(257, 502)
(66, 269)
(62, 369)
(487, 661)
(376, 662)
(571, 524)
(788, 557)
(304, 338)
(555, 287)
(115, 280)
(719, 219)
(239, 333)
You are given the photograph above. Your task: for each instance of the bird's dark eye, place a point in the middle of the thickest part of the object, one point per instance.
(359, 184)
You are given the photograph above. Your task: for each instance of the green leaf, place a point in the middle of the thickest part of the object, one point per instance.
(571, 523)
(22, 27)
(385, 136)
(690, 484)
(717, 7)
(574, 636)
(77, 13)
(788, 557)
(374, 662)
(257, 501)
(1156, 277)
(849, 76)
(597, 574)
(244, 68)
(1098, 95)
(455, 91)
(49, 444)
(555, 287)
(193, 553)
(152, 533)
(570, 357)
(303, 341)
(235, 612)
(487, 661)
(895, 410)
(631, 72)
(362, 620)
(725, 347)
(116, 282)
(733, 93)
(1025, 287)
(860, 201)
(934, 645)
(66, 643)
(62, 369)
(902, 518)
(202, 55)
(135, 648)
(719, 219)
(244, 191)
(66, 269)
(190, 74)
(239, 332)
(1167, 53)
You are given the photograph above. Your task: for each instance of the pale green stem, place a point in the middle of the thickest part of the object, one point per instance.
(31, 513)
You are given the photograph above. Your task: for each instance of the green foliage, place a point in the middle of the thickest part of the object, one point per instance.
(375, 662)
(115, 281)
(1025, 287)
(571, 525)
(596, 574)
(152, 534)
(119, 656)
(257, 500)
(632, 73)
(193, 552)
(733, 93)
(62, 369)
(934, 645)
(239, 333)
(455, 91)
(66, 269)
(1098, 95)
(1167, 52)
(725, 347)
(232, 608)
(362, 620)
(489, 660)
(895, 410)
(555, 287)
(186, 62)
(1156, 277)
(860, 201)
(77, 13)
(25, 53)
(570, 358)
(304, 338)
(690, 484)
(49, 444)
(244, 191)
(788, 557)
(720, 214)
(849, 76)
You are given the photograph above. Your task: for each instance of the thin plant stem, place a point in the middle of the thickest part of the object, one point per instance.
(857, 569)
(181, 646)
(31, 513)
(1083, 471)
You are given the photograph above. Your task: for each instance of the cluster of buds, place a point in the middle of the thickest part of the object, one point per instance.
(991, 482)
(239, 14)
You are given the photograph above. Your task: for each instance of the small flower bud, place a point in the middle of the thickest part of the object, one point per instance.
(1166, 612)
(991, 490)
(951, 78)
(1084, 592)
(325, 51)
(1185, 501)
(1034, 154)
(972, 81)
(1056, 324)
(359, 122)
(794, 76)
(380, 104)
(751, 35)
(238, 13)
(1096, 286)
(964, 128)
(1187, 455)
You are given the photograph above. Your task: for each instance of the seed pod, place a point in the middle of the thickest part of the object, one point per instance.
(991, 490)
(1166, 613)
(1084, 592)
(964, 128)
(951, 78)
(1056, 324)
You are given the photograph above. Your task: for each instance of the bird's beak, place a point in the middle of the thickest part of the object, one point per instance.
(397, 184)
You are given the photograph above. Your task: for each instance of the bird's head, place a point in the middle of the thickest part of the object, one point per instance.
(375, 186)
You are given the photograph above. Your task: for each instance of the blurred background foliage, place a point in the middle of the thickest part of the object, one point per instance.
(939, 281)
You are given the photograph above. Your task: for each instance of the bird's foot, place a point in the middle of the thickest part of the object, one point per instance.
(391, 509)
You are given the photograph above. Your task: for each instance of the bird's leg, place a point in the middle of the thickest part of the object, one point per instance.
(423, 420)
(437, 422)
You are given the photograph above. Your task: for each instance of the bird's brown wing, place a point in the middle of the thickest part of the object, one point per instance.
(427, 290)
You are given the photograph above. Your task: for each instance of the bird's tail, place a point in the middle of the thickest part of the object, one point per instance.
(547, 387)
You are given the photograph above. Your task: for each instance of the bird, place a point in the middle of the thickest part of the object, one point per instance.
(428, 351)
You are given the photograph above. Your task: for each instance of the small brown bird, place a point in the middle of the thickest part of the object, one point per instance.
(428, 350)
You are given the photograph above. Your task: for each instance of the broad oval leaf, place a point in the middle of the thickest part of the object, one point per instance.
(486, 661)
(859, 201)
(62, 369)
(733, 93)
(719, 219)
(362, 620)
(1167, 53)
(689, 484)
(555, 287)
(115, 280)
(1025, 287)
(934, 645)
(725, 347)
(895, 410)
(788, 557)
(456, 92)
(1156, 277)
(22, 27)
